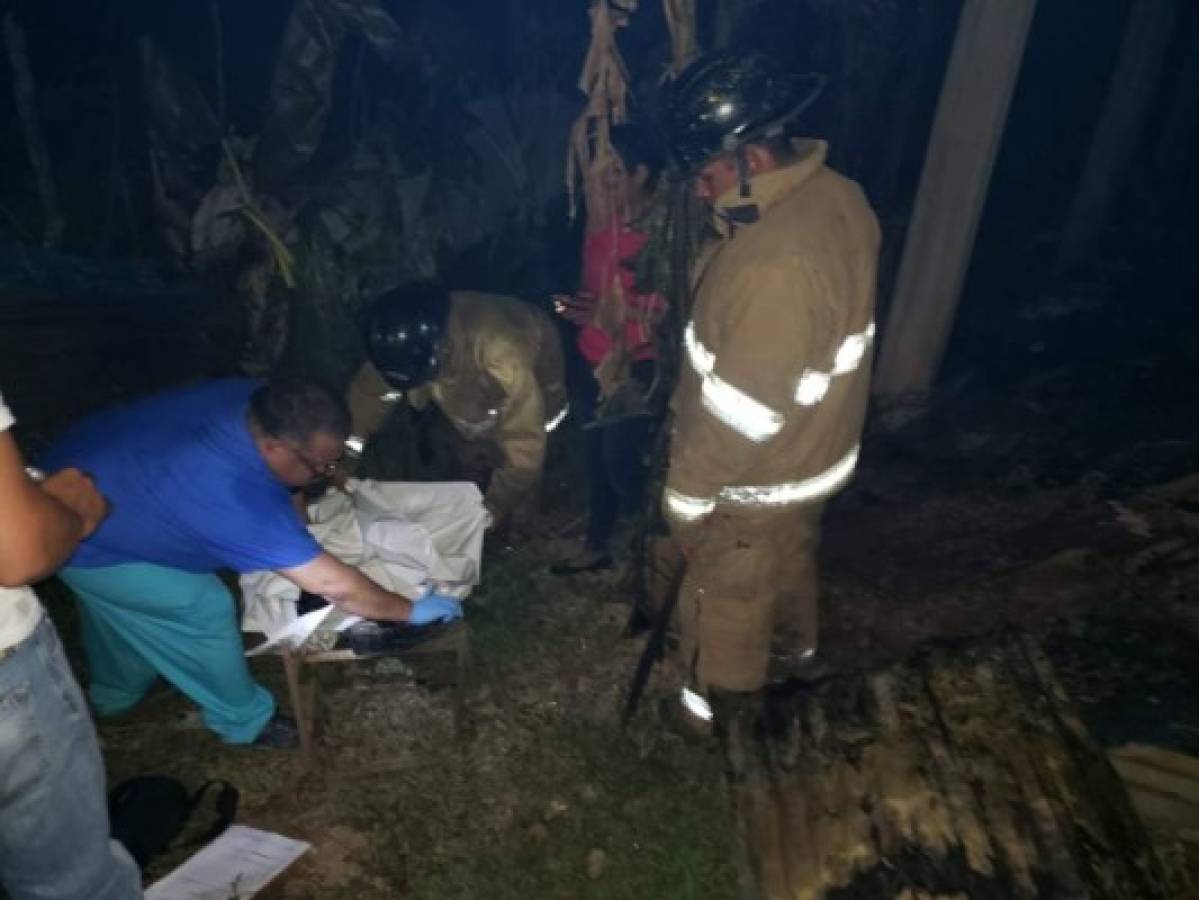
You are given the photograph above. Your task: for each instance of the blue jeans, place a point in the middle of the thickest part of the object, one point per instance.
(54, 833)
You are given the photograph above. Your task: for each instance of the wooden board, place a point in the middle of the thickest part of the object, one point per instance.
(1163, 785)
(962, 773)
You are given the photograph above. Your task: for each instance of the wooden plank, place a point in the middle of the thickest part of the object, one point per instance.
(293, 662)
(1163, 785)
(1169, 763)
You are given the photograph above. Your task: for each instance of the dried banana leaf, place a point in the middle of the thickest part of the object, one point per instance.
(677, 224)
(184, 141)
(605, 81)
(373, 24)
(680, 20)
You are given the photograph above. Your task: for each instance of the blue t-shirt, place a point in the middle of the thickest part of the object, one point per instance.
(188, 487)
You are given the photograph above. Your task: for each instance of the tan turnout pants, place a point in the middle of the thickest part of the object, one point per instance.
(753, 577)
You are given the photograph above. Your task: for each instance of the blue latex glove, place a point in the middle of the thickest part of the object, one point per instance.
(435, 608)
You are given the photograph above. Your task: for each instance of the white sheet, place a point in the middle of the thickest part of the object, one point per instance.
(410, 537)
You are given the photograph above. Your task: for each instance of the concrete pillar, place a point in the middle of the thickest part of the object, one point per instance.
(983, 67)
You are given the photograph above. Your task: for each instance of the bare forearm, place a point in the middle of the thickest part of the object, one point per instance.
(45, 542)
(349, 589)
(37, 532)
(370, 601)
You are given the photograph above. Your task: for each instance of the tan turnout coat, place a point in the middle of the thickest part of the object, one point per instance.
(776, 370)
(501, 380)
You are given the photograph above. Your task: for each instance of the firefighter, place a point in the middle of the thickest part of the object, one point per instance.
(492, 364)
(772, 394)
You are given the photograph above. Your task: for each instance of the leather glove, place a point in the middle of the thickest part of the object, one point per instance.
(435, 608)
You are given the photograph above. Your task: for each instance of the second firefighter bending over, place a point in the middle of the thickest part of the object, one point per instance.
(492, 364)
(772, 394)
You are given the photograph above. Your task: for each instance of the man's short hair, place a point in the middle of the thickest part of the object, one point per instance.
(298, 409)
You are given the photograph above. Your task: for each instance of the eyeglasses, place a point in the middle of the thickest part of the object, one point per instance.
(316, 467)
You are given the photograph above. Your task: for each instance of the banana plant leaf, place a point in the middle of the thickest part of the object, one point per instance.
(184, 142)
(302, 86)
(677, 224)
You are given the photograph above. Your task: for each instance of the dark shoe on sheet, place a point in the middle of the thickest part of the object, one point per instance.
(280, 733)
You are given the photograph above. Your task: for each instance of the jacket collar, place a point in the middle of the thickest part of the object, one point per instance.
(732, 211)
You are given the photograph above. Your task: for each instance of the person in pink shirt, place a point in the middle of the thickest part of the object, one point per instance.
(616, 338)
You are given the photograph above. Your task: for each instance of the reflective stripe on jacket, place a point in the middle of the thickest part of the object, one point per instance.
(776, 360)
(502, 378)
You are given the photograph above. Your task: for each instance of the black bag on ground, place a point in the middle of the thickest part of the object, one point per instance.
(148, 813)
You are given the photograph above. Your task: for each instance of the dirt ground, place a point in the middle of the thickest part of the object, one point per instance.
(543, 795)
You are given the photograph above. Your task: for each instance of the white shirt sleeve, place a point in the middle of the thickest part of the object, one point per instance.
(20, 611)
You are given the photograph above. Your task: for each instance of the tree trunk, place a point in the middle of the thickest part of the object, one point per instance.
(965, 773)
(1173, 147)
(727, 16)
(965, 139)
(1146, 37)
(25, 96)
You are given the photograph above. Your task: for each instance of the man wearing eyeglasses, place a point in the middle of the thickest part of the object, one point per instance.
(200, 480)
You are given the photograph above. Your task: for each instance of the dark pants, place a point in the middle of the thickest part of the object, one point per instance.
(617, 462)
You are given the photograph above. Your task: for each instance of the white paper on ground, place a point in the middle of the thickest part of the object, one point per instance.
(238, 864)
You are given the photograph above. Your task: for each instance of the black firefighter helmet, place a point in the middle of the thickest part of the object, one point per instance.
(405, 333)
(723, 101)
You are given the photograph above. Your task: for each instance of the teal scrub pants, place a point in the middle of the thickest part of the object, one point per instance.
(141, 620)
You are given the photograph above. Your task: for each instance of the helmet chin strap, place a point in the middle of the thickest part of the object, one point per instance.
(745, 213)
(741, 161)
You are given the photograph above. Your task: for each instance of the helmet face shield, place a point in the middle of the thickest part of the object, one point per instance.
(405, 334)
(722, 102)
(412, 374)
